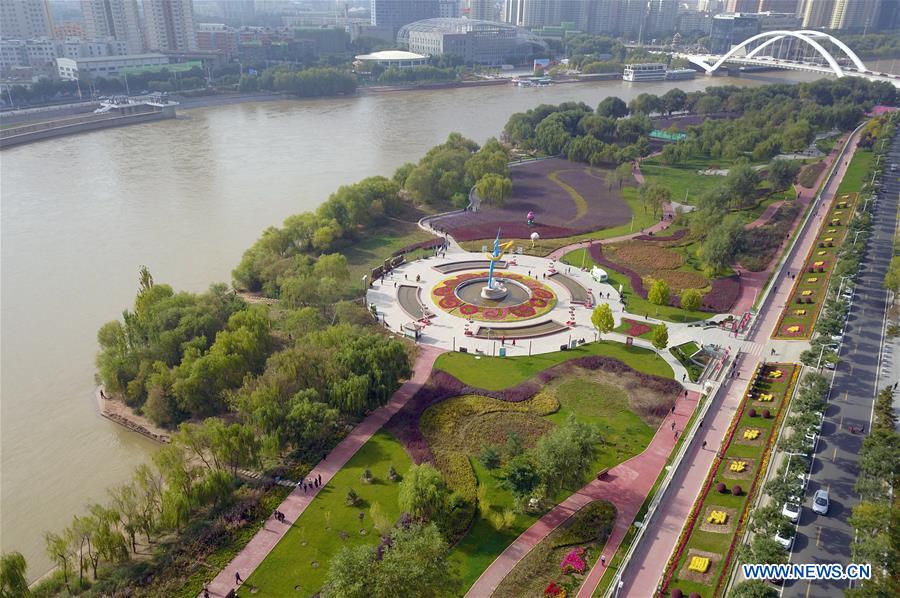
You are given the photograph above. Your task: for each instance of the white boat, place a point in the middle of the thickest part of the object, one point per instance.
(651, 71)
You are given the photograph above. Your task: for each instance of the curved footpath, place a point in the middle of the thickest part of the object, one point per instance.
(249, 558)
(626, 486)
(650, 559)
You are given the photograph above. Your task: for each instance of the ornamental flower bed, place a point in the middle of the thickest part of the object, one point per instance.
(540, 302)
(635, 328)
(808, 294)
(693, 538)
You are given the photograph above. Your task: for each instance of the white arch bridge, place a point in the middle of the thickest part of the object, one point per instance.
(822, 62)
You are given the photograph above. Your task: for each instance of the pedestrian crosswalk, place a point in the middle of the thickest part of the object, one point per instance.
(752, 348)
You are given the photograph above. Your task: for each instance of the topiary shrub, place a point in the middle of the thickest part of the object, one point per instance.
(367, 476)
(677, 593)
(766, 414)
(353, 498)
(695, 594)
(720, 487)
(737, 490)
(751, 412)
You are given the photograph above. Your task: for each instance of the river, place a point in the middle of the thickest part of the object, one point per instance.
(185, 197)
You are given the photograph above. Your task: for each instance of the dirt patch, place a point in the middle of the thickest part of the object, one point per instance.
(566, 197)
(718, 528)
(704, 578)
(679, 280)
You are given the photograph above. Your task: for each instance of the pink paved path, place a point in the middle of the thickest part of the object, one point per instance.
(752, 283)
(293, 506)
(626, 486)
(650, 558)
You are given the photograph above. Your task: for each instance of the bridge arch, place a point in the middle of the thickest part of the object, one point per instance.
(805, 36)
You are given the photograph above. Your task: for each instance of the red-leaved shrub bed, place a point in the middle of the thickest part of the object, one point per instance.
(404, 425)
(723, 294)
(676, 236)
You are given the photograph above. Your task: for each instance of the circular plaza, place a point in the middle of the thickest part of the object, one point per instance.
(512, 305)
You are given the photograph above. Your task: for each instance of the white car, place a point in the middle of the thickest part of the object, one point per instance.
(786, 542)
(821, 502)
(838, 337)
(792, 511)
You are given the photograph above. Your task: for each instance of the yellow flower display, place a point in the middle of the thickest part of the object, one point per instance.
(806, 293)
(700, 564)
(822, 252)
(799, 312)
(738, 466)
(776, 374)
(718, 517)
(793, 329)
(818, 264)
(832, 230)
(812, 279)
(765, 397)
(751, 434)
(829, 239)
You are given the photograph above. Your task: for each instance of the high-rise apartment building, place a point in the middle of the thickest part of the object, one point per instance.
(741, 5)
(661, 16)
(782, 6)
(713, 6)
(483, 10)
(540, 13)
(512, 11)
(817, 13)
(448, 9)
(632, 17)
(116, 19)
(25, 19)
(731, 29)
(170, 25)
(393, 14)
(603, 17)
(855, 14)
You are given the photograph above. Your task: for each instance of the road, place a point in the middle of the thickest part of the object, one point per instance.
(827, 539)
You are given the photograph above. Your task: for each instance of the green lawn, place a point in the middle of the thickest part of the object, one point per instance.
(682, 180)
(301, 558)
(683, 354)
(497, 373)
(635, 303)
(378, 245)
(858, 173)
(625, 327)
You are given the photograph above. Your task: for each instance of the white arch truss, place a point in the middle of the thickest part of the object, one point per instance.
(805, 36)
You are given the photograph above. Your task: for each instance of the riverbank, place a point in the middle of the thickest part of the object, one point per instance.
(118, 412)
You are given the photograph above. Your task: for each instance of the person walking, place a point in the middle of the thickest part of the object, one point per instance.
(673, 425)
(237, 577)
(704, 445)
(603, 559)
(320, 478)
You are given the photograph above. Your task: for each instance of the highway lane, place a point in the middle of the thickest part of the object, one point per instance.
(827, 539)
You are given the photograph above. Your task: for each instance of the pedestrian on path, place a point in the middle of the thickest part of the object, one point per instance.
(237, 577)
(673, 425)
(700, 425)
(320, 478)
(683, 377)
(603, 559)
(704, 445)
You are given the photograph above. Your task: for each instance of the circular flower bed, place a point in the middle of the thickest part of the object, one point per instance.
(541, 299)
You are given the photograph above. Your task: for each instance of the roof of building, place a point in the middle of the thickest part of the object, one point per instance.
(121, 57)
(455, 25)
(391, 55)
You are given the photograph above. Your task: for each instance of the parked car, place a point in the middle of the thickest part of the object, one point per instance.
(792, 511)
(821, 502)
(830, 365)
(838, 337)
(786, 542)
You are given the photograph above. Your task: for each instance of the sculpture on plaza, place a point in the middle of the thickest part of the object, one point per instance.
(495, 289)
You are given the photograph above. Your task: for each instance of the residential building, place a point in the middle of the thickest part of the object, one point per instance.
(475, 41)
(632, 15)
(694, 22)
(540, 13)
(36, 53)
(772, 21)
(782, 6)
(602, 18)
(449, 8)
(741, 5)
(730, 29)
(513, 11)
(713, 6)
(170, 25)
(217, 36)
(855, 14)
(394, 14)
(817, 13)
(661, 16)
(69, 29)
(483, 10)
(116, 19)
(110, 66)
(25, 19)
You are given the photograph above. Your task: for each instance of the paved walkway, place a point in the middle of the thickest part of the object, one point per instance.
(293, 506)
(626, 486)
(650, 558)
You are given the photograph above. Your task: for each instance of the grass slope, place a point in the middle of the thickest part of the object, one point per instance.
(316, 535)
